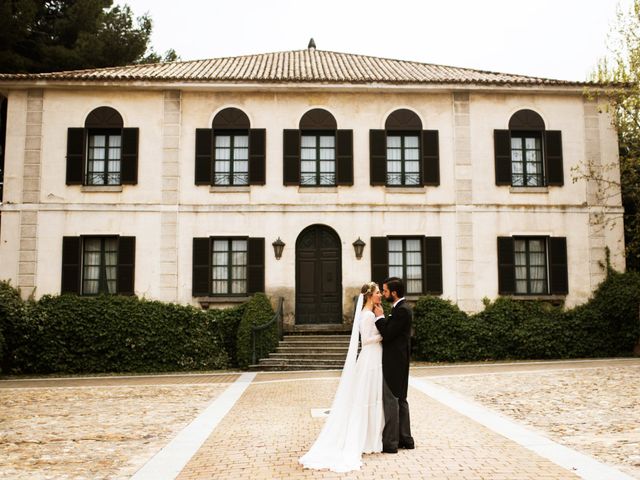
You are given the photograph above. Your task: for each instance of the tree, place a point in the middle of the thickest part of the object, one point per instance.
(53, 35)
(621, 71)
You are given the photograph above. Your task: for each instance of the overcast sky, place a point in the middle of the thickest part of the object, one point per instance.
(560, 39)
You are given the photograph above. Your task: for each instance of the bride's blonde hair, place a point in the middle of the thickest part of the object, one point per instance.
(367, 290)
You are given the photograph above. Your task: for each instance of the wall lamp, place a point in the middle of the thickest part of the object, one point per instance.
(278, 247)
(358, 247)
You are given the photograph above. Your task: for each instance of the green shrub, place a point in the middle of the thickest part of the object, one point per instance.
(258, 311)
(607, 325)
(227, 321)
(12, 313)
(442, 331)
(73, 334)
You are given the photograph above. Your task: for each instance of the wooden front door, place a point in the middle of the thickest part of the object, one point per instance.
(318, 276)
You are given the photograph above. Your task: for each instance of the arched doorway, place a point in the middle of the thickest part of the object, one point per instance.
(318, 276)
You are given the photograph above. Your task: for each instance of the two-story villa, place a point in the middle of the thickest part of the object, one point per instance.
(304, 174)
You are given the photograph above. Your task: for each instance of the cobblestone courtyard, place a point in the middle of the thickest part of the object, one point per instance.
(109, 427)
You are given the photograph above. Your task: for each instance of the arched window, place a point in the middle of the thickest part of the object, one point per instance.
(318, 148)
(528, 155)
(317, 153)
(403, 154)
(230, 153)
(103, 152)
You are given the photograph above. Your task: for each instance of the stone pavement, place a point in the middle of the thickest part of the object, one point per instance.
(110, 427)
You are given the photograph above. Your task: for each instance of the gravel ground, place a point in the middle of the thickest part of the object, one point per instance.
(593, 410)
(92, 432)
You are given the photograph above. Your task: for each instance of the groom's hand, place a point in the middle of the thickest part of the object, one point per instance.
(378, 311)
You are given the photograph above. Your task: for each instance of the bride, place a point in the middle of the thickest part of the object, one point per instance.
(356, 420)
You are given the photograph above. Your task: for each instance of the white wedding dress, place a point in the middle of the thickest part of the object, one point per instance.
(354, 425)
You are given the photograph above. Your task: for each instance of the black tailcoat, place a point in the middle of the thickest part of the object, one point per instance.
(396, 348)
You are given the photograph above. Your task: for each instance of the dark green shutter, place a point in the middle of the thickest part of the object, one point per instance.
(558, 271)
(378, 157)
(430, 158)
(502, 150)
(257, 156)
(432, 265)
(255, 265)
(76, 140)
(71, 252)
(291, 157)
(553, 157)
(379, 259)
(126, 265)
(201, 267)
(129, 157)
(506, 266)
(204, 156)
(344, 157)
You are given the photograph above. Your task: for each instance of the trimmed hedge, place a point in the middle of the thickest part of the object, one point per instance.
(228, 320)
(258, 311)
(608, 325)
(12, 309)
(73, 334)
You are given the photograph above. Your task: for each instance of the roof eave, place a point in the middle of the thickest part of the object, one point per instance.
(187, 84)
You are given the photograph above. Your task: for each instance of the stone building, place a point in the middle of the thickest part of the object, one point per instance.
(181, 181)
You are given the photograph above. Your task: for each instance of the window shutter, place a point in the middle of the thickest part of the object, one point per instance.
(201, 267)
(379, 259)
(378, 157)
(502, 150)
(553, 157)
(257, 157)
(255, 265)
(558, 271)
(129, 158)
(204, 156)
(432, 265)
(126, 265)
(430, 158)
(70, 265)
(344, 157)
(75, 155)
(506, 266)
(291, 160)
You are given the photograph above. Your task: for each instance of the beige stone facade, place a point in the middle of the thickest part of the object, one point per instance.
(166, 210)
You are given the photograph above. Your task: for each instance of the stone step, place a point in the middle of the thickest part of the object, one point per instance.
(301, 361)
(314, 348)
(316, 338)
(291, 367)
(320, 356)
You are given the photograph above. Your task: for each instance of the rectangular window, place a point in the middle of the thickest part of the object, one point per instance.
(318, 160)
(526, 160)
(403, 160)
(229, 266)
(103, 159)
(405, 261)
(99, 265)
(530, 259)
(231, 165)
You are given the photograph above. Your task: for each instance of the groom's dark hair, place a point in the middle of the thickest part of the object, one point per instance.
(395, 284)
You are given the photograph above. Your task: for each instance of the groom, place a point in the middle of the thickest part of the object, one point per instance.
(396, 350)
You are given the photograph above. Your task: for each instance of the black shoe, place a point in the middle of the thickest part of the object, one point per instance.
(389, 450)
(407, 446)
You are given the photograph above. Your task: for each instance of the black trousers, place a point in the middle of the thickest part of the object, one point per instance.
(397, 425)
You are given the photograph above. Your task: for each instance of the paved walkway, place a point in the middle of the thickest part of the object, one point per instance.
(491, 421)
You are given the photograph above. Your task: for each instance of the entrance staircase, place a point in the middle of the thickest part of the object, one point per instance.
(317, 347)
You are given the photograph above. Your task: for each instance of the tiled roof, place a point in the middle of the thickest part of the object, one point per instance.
(297, 66)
